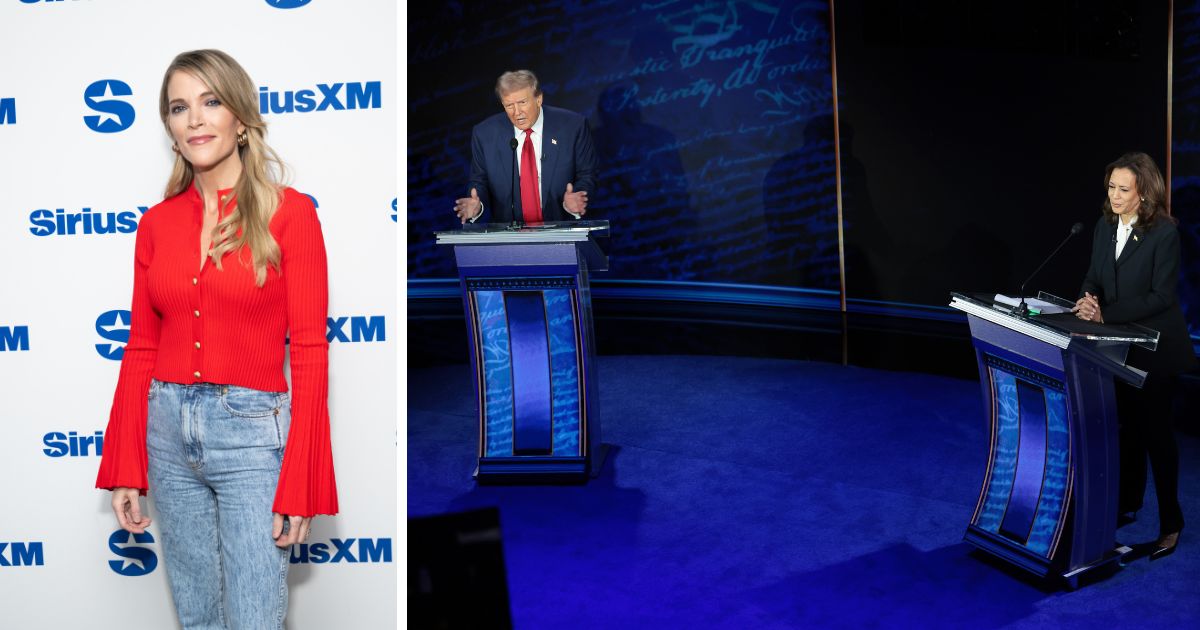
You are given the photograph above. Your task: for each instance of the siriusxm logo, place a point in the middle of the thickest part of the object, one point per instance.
(138, 560)
(394, 210)
(113, 326)
(288, 4)
(63, 223)
(72, 444)
(361, 329)
(358, 96)
(115, 114)
(29, 554)
(14, 338)
(343, 550)
(8, 111)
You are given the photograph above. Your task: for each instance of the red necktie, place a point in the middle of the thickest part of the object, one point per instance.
(531, 208)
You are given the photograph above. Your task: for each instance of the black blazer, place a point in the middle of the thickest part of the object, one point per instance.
(568, 156)
(1141, 287)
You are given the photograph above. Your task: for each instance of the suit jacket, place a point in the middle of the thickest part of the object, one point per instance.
(568, 156)
(1140, 287)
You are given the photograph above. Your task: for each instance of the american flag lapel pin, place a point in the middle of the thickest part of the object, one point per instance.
(553, 141)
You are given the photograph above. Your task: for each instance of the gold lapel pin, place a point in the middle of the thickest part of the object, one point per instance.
(553, 141)
(1135, 237)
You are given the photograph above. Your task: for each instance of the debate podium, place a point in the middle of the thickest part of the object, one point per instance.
(529, 326)
(1048, 503)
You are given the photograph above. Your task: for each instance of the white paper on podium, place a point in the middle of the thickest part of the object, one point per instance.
(1041, 307)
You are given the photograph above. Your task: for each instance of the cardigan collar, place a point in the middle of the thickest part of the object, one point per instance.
(196, 200)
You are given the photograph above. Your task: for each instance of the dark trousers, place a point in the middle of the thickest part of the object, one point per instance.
(1145, 429)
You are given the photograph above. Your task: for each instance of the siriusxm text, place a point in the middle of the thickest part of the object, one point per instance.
(22, 554)
(72, 444)
(326, 96)
(8, 111)
(343, 550)
(62, 223)
(361, 329)
(14, 338)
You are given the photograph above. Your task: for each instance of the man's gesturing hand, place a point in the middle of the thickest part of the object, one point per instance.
(468, 208)
(575, 202)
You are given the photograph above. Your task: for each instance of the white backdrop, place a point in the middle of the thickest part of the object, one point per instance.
(60, 61)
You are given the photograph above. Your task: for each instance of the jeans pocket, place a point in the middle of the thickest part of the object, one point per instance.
(250, 403)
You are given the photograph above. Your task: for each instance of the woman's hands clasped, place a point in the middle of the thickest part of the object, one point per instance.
(1088, 308)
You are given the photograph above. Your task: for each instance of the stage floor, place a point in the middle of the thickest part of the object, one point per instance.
(765, 493)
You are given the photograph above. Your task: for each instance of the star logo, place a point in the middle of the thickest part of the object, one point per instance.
(115, 114)
(137, 558)
(113, 326)
(107, 117)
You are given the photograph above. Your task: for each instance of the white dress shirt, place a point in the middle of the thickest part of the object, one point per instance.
(1123, 232)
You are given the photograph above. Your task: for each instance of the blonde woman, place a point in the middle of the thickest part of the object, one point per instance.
(227, 269)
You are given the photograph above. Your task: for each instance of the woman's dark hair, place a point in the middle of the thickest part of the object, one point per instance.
(1150, 188)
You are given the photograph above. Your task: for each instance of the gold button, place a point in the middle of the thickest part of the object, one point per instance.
(197, 345)
(196, 313)
(195, 281)
(196, 373)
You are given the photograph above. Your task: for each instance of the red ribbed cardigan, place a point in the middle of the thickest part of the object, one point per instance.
(203, 325)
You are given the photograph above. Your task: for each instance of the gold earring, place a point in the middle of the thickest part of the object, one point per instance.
(175, 147)
(243, 139)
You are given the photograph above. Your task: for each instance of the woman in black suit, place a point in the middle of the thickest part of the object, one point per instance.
(1133, 277)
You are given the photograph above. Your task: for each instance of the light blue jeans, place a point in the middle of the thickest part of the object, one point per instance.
(215, 453)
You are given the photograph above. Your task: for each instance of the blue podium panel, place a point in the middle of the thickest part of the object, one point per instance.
(529, 353)
(1027, 486)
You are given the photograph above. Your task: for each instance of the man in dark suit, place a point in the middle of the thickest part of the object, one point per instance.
(554, 155)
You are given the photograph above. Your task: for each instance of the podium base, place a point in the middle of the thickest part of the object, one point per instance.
(1099, 569)
(540, 470)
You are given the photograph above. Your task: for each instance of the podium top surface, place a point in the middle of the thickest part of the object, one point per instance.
(1058, 329)
(547, 232)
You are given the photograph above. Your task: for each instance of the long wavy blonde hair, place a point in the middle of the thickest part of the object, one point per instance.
(259, 189)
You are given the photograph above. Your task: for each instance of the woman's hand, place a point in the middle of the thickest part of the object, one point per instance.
(1088, 308)
(297, 530)
(129, 512)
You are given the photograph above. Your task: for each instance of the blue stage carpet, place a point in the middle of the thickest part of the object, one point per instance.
(759, 493)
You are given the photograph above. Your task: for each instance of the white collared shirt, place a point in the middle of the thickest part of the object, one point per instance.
(1123, 232)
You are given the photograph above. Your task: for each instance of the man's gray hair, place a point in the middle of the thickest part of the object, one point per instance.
(514, 80)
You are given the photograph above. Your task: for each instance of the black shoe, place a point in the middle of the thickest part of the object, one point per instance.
(1126, 518)
(1166, 545)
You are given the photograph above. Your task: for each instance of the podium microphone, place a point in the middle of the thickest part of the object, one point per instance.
(1023, 309)
(512, 193)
